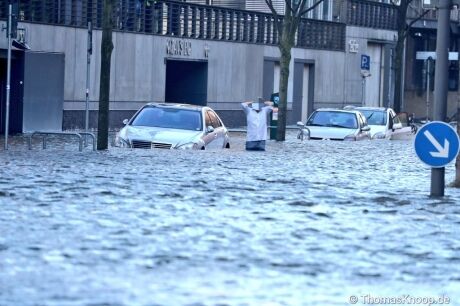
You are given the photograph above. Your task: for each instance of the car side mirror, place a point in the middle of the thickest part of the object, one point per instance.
(300, 124)
(125, 122)
(209, 129)
(304, 133)
(365, 128)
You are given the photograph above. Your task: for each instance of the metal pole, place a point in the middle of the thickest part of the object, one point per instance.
(8, 77)
(427, 88)
(88, 62)
(440, 80)
(363, 85)
(402, 104)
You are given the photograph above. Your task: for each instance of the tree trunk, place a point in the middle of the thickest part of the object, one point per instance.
(285, 45)
(457, 161)
(399, 55)
(456, 183)
(104, 87)
(282, 106)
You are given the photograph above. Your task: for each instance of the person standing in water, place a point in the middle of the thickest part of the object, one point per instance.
(256, 117)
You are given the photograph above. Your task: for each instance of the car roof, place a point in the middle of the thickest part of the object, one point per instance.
(177, 105)
(371, 108)
(337, 110)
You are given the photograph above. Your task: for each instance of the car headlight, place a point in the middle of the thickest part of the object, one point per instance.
(350, 137)
(122, 143)
(187, 146)
(379, 135)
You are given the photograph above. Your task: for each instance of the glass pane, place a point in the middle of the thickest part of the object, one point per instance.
(172, 118)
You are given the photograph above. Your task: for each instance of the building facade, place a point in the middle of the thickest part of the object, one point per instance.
(187, 52)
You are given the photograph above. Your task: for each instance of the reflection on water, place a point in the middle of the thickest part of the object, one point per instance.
(302, 224)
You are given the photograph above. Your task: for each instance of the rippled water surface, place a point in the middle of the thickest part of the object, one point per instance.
(307, 223)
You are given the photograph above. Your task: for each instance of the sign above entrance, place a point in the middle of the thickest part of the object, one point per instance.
(178, 47)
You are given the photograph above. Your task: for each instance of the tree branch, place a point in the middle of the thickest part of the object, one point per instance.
(297, 16)
(406, 30)
(275, 14)
(392, 2)
(288, 6)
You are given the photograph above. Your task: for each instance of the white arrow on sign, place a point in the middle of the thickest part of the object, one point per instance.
(443, 152)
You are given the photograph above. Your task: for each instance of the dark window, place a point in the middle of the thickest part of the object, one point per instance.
(453, 76)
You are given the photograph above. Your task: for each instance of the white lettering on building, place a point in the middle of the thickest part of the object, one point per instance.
(178, 47)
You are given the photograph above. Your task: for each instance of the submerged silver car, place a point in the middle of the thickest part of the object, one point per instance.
(385, 124)
(173, 126)
(334, 124)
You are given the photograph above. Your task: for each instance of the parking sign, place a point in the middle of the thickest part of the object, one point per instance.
(365, 62)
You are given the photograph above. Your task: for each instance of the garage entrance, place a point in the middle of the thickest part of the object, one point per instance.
(15, 123)
(186, 82)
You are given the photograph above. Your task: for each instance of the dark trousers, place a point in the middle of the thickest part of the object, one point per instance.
(255, 145)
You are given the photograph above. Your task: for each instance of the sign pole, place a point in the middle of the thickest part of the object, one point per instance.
(440, 91)
(88, 63)
(8, 77)
(427, 89)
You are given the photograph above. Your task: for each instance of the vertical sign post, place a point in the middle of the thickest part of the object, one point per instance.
(440, 81)
(8, 73)
(365, 68)
(88, 63)
(428, 72)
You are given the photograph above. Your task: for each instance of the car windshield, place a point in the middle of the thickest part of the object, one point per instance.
(172, 118)
(374, 117)
(333, 119)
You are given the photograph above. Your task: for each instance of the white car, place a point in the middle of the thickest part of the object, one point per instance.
(385, 124)
(335, 124)
(173, 126)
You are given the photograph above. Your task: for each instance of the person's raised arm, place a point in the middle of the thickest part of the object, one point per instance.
(245, 106)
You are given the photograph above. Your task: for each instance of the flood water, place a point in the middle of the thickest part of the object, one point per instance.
(304, 223)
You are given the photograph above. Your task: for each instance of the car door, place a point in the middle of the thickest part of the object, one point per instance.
(401, 128)
(218, 129)
(211, 133)
(362, 122)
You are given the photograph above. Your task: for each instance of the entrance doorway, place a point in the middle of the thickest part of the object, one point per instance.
(374, 83)
(186, 82)
(15, 119)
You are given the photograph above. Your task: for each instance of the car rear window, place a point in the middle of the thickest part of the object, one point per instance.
(165, 117)
(375, 117)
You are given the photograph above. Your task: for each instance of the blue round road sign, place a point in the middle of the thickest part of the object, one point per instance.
(436, 144)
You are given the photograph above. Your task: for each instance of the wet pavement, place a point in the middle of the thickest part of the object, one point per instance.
(309, 223)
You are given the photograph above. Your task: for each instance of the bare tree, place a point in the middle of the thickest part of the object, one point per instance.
(286, 27)
(403, 30)
(104, 82)
(456, 182)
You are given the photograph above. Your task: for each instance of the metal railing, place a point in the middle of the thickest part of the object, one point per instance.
(416, 10)
(371, 14)
(46, 134)
(180, 19)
